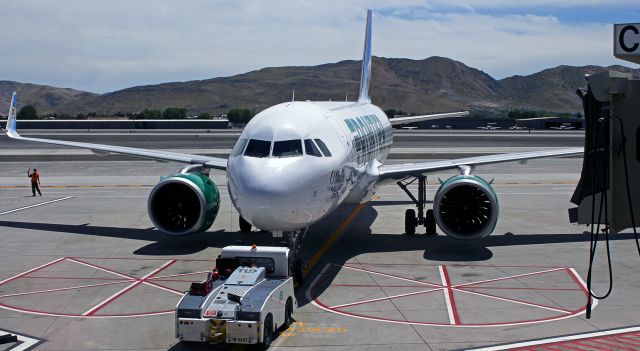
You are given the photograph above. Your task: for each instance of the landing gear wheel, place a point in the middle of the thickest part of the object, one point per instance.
(288, 311)
(410, 222)
(268, 333)
(245, 226)
(430, 223)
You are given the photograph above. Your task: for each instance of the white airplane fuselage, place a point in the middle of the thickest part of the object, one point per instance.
(288, 193)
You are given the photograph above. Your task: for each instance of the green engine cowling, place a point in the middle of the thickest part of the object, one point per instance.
(184, 203)
(466, 207)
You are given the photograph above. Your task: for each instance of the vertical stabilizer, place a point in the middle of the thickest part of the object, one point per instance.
(11, 117)
(366, 63)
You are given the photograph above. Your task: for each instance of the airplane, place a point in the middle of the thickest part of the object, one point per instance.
(564, 127)
(489, 126)
(298, 161)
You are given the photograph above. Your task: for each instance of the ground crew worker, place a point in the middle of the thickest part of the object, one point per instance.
(35, 181)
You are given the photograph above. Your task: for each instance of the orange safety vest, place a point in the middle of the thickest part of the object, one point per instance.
(34, 177)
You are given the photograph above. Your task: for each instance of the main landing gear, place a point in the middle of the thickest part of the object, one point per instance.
(411, 221)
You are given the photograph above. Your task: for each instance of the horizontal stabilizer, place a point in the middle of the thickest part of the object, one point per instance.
(412, 119)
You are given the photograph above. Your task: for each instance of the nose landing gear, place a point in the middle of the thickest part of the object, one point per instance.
(411, 221)
(245, 226)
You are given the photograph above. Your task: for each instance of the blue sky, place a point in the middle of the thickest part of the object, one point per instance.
(106, 45)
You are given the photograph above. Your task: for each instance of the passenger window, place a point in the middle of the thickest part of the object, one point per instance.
(323, 147)
(287, 148)
(258, 148)
(311, 148)
(239, 147)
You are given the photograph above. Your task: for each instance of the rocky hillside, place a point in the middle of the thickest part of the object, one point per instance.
(435, 84)
(43, 97)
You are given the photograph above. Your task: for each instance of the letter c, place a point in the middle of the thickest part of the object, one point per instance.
(623, 32)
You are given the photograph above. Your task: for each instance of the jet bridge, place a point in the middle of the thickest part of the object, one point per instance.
(608, 192)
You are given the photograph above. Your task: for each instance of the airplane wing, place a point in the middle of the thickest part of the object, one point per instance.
(209, 162)
(411, 119)
(413, 169)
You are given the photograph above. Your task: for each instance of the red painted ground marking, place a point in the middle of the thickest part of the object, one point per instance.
(449, 265)
(385, 298)
(450, 299)
(601, 340)
(63, 289)
(31, 271)
(106, 302)
(448, 291)
(101, 268)
(69, 278)
(394, 276)
(136, 259)
(120, 278)
(513, 288)
(611, 343)
(179, 275)
(377, 286)
(509, 277)
(508, 299)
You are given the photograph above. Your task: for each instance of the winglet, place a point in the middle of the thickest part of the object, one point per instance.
(12, 132)
(366, 63)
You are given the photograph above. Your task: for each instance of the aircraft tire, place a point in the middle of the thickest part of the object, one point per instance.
(430, 223)
(410, 222)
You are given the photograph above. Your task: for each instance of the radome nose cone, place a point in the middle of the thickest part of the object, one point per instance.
(267, 194)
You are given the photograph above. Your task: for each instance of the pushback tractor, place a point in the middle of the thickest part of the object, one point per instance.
(246, 298)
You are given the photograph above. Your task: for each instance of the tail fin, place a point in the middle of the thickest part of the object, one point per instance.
(366, 63)
(11, 117)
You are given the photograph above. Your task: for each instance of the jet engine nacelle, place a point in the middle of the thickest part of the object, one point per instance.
(184, 203)
(466, 207)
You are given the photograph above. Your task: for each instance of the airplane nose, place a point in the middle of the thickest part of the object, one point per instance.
(269, 193)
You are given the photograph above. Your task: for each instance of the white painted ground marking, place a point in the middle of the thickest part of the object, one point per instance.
(25, 341)
(32, 270)
(391, 276)
(558, 339)
(35, 205)
(512, 301)
(452, 319)
(386, 298)
(128, 287)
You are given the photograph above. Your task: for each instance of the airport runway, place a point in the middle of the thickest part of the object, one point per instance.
(83, 268)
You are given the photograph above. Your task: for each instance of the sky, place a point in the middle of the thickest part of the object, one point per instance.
(107, 45)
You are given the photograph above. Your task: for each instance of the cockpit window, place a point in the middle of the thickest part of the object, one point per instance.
(239, 147)
(323, 147)
(311, 149)
(258, 148)
(287, 148)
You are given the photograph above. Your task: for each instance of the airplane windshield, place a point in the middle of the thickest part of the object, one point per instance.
(239, 147)
(311, 148)
(258, 148)
(287, 148)
(323, 147)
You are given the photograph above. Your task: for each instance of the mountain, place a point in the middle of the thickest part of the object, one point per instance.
(42, 97)
(552, 89)
(434, 84)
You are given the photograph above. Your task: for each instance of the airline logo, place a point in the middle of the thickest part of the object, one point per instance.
(368, 135)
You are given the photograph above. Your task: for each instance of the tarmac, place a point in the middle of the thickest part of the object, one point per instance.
(84, 269)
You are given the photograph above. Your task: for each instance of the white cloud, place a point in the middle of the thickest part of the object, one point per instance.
(104, 45)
